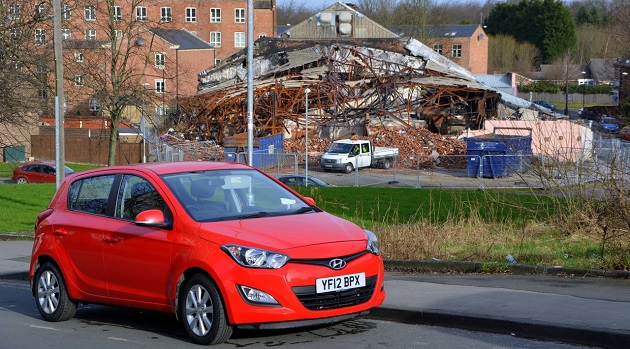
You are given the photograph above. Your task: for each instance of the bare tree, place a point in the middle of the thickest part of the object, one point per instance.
(506, 54)
(24, 69)
(106, 64)
(293, 13)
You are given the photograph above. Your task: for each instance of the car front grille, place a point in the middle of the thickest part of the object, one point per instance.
(332, 300)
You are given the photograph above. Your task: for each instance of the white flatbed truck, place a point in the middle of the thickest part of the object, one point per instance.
(347, 154)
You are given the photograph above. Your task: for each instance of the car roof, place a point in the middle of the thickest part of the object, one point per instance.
(161, 168)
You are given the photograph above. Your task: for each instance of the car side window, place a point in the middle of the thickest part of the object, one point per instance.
(91, 194)
(48, 170)
(135, 195)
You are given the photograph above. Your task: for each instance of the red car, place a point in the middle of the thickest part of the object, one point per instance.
(218, 245)
(37, 172)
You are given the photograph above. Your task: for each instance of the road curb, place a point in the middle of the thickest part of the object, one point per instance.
(412, 266)
(531, 330)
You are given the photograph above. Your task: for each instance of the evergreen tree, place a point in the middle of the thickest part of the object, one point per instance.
(547, 24)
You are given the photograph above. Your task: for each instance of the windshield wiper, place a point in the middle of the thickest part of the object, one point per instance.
(304, 210)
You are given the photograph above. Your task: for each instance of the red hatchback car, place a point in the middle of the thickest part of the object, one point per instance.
(217, 244)
(37, 172)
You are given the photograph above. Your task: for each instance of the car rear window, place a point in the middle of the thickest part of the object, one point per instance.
(91, 194)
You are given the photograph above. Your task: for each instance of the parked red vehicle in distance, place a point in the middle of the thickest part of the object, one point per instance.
(37, 172)
(219, 245)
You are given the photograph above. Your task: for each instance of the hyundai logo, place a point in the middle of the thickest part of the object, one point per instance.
(337, 264)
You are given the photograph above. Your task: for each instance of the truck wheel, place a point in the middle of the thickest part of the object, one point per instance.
(349, 168)
(386, 164)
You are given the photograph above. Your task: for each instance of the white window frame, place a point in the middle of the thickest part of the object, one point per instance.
(79, 80)
(160, 87)
(166, 14)
(40, 10)
(215, 39)
(239, 39)
(217, 61)
(141, 13)
(15, 12)
(118, 34)
(439, 48)
(89, 13)
(15, 33)
(90, 34)
(240, 15)
(215, 15)
(160, 60)
(66, 12)
(40, 36)
(117, 13)
(191, 14)
(456, 51)
(66, 34)
(78, 57)
(94, 105)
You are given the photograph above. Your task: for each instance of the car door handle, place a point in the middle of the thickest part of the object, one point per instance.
(60, 232)
(111, 240)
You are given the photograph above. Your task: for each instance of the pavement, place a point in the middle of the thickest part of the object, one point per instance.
(587, 307)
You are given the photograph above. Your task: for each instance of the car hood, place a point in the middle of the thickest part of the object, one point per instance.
(298, 232)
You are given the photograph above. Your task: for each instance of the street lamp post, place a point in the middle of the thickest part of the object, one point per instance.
(142, 123)
(583, 88)
(307, 91)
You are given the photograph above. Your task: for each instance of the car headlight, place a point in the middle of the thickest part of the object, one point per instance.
(255, 257)
(372, 244)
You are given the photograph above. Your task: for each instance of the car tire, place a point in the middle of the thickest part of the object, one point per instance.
(387, 164)
(51, 294)
(21, 180)
(349, 168)
(202, 312)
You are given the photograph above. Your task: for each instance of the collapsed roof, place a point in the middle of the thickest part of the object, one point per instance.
(398, 80)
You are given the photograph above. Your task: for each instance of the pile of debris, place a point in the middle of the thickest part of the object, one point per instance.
(415, 145)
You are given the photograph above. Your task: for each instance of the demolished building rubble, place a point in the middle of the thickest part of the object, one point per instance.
(356, 85)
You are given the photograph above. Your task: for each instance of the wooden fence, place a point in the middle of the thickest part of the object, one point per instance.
(85, 150)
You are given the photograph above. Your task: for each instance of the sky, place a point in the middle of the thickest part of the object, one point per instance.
(316, 4)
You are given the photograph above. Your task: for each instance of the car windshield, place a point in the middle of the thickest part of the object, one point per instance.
(219, 195)
(340, 148)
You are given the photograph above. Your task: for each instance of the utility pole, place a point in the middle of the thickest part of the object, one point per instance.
(59, 99)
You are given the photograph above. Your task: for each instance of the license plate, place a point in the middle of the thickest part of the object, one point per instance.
(342, 282)
(327, 165)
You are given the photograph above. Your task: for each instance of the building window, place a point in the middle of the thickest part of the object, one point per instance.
(43, 93)
(118, 34)
(15, 12)
(160, 60)
(438, 48)
(40, 10)
(40, 36)
(215, 39)
(141, 13)
(166, 14)
(15, 33)
(89, 13)
(66, 34)
(457, 51)
(78, 57)
(191, 14)
(160, 86)
(217, 61)
(95, 105)
(117, 13)
(65, 13)
(215, 15)
(90, 34)
(78, 80)
(239, 39)
(239, 15)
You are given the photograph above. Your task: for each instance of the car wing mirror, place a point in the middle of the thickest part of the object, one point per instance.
(310, 201)
(152, 218)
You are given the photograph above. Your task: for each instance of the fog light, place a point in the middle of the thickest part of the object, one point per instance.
(253, 295)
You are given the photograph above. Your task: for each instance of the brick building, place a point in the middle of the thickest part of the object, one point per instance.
(172, 40)
(466, 45)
